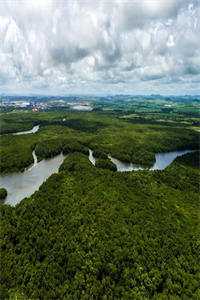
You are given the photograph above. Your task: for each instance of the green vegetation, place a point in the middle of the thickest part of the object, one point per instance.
(15, 153)
(138, 143)
(11, 123)
(99, 154)
(3, 194)
(190, 159)
(76, 162)
(89, 233)
(180, 176)
(51, 147)
(103, 133)
(105, 164)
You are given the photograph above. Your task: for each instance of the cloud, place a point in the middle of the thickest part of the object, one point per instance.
(139, 13)
(62, 55)
(99, 46)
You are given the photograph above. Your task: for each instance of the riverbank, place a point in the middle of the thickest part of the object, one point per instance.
(24, 184)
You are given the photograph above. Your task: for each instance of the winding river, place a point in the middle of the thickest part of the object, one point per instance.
(162, 161)
(165, 159)
(91, 157)
(21, 185)
(33, 130)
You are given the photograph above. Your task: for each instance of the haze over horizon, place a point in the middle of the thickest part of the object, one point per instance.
(100, 47)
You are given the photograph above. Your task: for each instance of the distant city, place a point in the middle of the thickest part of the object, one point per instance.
(84, 103)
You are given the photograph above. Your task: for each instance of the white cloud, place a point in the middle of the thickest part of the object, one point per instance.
(99, 46)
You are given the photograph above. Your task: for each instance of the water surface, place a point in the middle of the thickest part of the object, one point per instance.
(124, 166)
(91, 157)
(162, 161)
(21, 185)
(165, 159)
(33, 130)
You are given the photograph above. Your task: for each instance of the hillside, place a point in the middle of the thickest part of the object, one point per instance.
(91, 233)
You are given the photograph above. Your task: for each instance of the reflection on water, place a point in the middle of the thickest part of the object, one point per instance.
(21, 185)
(35, 161)
(165, 159)
(124, 167)
(162, 161)
(91, 157)
(33, 130)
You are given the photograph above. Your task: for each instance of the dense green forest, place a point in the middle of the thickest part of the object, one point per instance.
(90, 232)
(103, 133)
(3, 194)
(105, 164)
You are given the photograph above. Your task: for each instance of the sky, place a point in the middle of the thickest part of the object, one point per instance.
(100, 47)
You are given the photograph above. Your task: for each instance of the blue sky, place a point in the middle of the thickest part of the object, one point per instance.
(89, 47)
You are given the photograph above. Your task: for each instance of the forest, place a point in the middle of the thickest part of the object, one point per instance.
(136, 143)
(90, 232)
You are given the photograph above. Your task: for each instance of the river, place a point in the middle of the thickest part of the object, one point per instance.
(165, 159)
(21, 185)
(162, 161)
(33, 130)
(91, 157)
